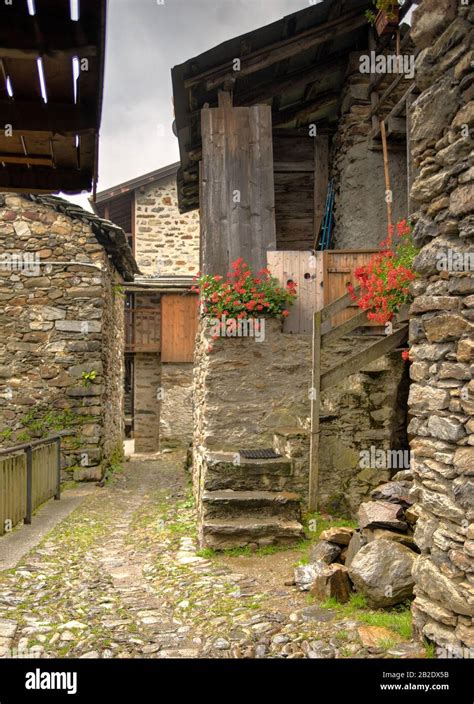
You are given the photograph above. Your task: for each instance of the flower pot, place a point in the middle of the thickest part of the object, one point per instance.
(386, 22)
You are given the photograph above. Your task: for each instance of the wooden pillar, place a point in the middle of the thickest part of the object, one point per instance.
(236, 186)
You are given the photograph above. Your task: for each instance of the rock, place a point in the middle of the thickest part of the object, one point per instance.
(394, 492)
(370, 534)
(377, 636)
(464, 459)
(433, 111)
(403, 475)
(221, 644)
(315, 614)
(325, 551)
(306, 574)
(320, 649)
(446, 428)
(411, 515)
(381, 514)
(340, 536)
(442, 589)
(382, 571)
(7, 628)
(429, 20)
(332, 583)
(447, 326)
(357, 541)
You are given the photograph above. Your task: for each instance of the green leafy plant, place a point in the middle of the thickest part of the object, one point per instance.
(243, 295)
(387, 6)
(385, 281)
(88, 378)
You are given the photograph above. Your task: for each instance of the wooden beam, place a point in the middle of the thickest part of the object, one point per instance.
(22, 159)
(56, 118)
(29, 52)
(43, 180)
(361, 359)
(305, 111)
(315, 404)
(386, 171)
(334, 333)
(278, 51)
(337, 305)
(264, 90)
(397, 108)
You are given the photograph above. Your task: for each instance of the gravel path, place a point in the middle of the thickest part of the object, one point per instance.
(120, 578)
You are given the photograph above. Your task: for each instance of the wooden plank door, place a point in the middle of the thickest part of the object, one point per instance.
(179, 322)
(338, 272)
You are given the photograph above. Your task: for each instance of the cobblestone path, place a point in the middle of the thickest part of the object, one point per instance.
(121, 578)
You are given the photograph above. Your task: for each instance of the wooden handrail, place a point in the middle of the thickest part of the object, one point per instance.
(323, 335)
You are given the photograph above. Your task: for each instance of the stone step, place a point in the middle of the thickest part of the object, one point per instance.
(221, 534)
(227, 503)
(248, 475)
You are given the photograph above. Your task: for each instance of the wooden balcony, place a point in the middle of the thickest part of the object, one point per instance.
(142, 330)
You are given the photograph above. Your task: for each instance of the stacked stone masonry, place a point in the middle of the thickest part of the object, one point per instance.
(61, 342)
(166, 241)
(250, 395)
(442, 326)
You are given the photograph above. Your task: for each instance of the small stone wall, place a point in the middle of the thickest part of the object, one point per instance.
(166, 241)
(176, 418)
(360, 210)
(442, 327)
(246, 391)
(56, 323)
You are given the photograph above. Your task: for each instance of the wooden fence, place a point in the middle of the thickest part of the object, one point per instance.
(321, 277)
(29, 476)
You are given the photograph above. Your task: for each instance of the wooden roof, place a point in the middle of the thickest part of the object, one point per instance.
(55, 126)
(297, 65)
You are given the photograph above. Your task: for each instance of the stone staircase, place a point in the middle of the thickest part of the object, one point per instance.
(256, 510)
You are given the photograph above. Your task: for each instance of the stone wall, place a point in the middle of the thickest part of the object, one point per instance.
(176, 418)
(58, 321)
(442, 327)
(166, 241)
(246, 391)
(360, 212)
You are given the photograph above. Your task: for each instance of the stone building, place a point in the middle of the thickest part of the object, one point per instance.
(442, 326)
(160, 311)
(62, 271)
(266, 148)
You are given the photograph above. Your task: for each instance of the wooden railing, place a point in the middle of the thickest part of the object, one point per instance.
(142, 330)
(30, 474)
(323, 334)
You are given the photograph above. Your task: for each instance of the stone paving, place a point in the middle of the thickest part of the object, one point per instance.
(121, 577)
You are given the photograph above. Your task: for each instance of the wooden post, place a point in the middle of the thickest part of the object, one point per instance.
(315, 402)
(29, 485)
(388, 189)
(236, 186)
(57, 495)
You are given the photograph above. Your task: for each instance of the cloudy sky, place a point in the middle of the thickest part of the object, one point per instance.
(145, 39)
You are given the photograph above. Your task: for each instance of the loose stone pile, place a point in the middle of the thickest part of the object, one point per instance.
(376, 559)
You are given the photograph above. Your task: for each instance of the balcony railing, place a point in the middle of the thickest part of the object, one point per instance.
(142, 330)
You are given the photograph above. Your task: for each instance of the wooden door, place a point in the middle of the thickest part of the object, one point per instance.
(338, 271)
(179, 321)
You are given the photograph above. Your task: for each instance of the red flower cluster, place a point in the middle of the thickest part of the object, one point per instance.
(385, 281)
(241, 295)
